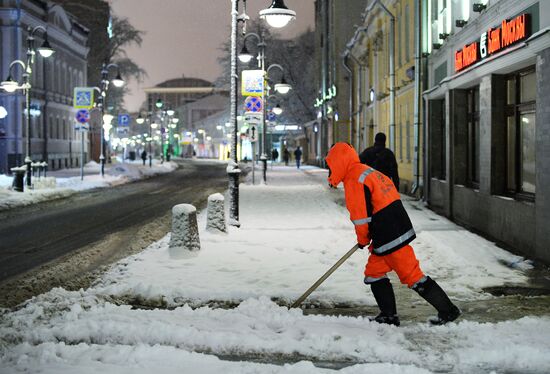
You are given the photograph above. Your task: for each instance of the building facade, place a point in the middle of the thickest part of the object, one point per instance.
(95, 15)
(53, 137)
(488, 122)
(386, 91)
(335, 23)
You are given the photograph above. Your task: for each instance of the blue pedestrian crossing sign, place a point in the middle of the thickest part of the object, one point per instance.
(83, 98)
(271, 116)
(123, 120)
(82, 116)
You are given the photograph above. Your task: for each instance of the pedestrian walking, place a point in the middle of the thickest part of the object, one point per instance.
(382, 224)
(144, 156)
(381, 158)
(298, 156)
(274, 155)
(286, 156)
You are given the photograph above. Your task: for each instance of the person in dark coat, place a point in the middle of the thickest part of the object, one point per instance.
(298, 156)
(144, 156)
(286, 156)
(381, 158)
(274, 155)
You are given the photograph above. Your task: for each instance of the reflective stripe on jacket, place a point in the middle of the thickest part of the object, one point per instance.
(372, 200)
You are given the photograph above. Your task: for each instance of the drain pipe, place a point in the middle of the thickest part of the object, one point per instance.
(392, 71)
(417, 95)
(360, 101)
(350, 89)
(347, 54)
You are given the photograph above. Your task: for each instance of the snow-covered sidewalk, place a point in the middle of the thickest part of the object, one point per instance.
(68, 181)
(228, 302)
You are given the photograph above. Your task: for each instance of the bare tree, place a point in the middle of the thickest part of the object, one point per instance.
(124, 35)
(296, 56)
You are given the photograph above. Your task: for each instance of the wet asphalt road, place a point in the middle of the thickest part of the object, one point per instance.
(37, 234)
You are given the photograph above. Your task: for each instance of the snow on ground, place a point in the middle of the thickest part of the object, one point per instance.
(68, 181)
(293, 230)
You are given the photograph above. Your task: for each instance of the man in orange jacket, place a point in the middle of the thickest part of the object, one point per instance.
(380, 220)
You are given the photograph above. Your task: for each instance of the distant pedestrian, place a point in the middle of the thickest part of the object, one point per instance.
(274, 154)
(298, 156)
(381, 158)
(144, 156)
(286, 156)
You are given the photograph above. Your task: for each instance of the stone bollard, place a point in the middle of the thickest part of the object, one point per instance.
(215, 214)
(185, 232)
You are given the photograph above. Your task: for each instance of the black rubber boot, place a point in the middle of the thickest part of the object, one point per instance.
(385, 298)
(434, 294)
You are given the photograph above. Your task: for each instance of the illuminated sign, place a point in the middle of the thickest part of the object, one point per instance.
(252, 83)
(492, 41)
(331, 93)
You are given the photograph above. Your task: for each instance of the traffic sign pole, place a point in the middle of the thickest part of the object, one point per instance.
(81, 155)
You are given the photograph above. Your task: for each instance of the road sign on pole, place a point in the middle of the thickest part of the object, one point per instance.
(253, 118)
(82, 126)
(252, 83)
(83, 98)
(123, 120)
(82, 116)
(253, 133)
(253, 104)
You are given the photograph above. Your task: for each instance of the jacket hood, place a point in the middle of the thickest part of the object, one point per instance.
(340, 159)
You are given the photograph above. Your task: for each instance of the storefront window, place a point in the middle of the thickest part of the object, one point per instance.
(528, 152)
(520, 143)
(438, 147)
(473, 137)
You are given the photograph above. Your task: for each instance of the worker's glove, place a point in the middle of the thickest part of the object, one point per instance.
(361, 246)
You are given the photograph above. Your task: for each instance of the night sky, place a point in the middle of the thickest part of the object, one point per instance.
(183, 37)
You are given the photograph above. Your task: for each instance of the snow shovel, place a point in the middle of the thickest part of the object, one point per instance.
(324, 277)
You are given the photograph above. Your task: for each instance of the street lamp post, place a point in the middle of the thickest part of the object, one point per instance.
(45, 51)
(278, 15)
(174, 127)
(140, 121)
(282, 88)
(245, 57)
(9, 85)
(152, 126)
(233, 170)
(118, 82)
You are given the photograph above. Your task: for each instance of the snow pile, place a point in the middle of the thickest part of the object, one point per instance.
(292, 231)
(215, 215)
(53, 328)
(67, 182)
(185, 232)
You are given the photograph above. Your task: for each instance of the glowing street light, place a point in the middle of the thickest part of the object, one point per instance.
(277, 15)
(283, 87)
(140, 120)
(278, 110)
(244, 55)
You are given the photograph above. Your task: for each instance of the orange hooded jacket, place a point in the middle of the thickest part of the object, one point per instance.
(373, 202)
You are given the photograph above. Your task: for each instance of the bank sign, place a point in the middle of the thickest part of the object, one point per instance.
(492, 41)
